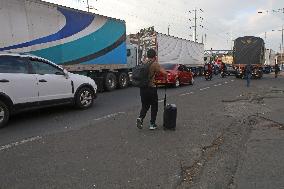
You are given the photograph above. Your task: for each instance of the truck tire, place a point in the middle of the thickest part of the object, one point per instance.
(110, 81)
(4, 114)
(84, 98)
(123, 80)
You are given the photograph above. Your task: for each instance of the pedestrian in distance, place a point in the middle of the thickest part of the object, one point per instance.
(248, 72)
(148, 93)
(276, 69)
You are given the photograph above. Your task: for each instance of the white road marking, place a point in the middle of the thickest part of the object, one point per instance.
(184, 94)
(226, 82)
(232, 80)
(14, 144)
(204, 88)
(161, 101)
(109, 116)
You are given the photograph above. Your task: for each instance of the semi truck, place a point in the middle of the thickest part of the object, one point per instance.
(249, 50)
(169, 49)
(79, 41)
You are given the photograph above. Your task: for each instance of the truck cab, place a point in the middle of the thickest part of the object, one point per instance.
(132, 55)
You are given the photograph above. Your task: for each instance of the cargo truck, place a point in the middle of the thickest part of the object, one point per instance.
(169, 49)
(249, 50)
(79, 41)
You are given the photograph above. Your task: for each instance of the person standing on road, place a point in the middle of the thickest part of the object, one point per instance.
(276, 69)
(149, 95)
(248, 72)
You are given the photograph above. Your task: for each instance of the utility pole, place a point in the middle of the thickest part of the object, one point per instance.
(195, 18)
(282, 43)
(168, 29)
(195, 26)
(88, 5)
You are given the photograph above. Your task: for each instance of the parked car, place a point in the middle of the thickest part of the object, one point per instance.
(178, 74)
(29, 82)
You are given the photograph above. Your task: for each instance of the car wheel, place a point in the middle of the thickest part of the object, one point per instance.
(4, 114)
(84, 98)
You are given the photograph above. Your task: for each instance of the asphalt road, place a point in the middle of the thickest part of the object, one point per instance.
(60, 119)
(225, 138)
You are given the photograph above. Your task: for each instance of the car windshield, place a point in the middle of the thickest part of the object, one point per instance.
(168, 66)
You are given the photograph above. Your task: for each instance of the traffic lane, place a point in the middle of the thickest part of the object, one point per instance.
(63, 118)
(115, 154)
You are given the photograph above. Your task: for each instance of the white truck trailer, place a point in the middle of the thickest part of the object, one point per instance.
(169, 49)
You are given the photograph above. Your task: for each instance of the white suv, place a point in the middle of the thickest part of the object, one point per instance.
(29, 82)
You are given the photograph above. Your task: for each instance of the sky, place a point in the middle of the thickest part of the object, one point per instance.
(222, 20)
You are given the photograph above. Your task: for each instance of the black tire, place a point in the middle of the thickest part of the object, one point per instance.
(4, 114)
(123, 80)
(110, 81)
(84, 98)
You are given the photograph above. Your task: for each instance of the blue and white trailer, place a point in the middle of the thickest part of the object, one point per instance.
(79, 41)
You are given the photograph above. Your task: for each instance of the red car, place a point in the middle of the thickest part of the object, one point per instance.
(178, 74)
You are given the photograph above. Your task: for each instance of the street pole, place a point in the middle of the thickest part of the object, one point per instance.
(88, 5)
(168, 29)
(195, 26)
(282, 45)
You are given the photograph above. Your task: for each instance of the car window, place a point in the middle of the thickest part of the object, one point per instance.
(12, 64)
(128, 52)
(40, 67)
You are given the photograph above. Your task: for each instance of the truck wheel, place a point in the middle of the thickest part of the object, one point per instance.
(110, 82)
(123, 80)
(84, 98)
(4, 114)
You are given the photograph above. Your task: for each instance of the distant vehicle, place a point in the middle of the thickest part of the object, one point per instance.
(200, 70)
(178, 74)
(249, 50)
(194, 70)
(30, 82)
(267, 69)
(230, 70)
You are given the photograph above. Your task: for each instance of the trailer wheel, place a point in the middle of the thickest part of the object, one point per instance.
(123, 80)
(110, 82)
(4, 114)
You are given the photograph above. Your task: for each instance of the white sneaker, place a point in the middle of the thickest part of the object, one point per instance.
(153, 126)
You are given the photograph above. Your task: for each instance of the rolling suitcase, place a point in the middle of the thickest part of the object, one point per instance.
(170, 114)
